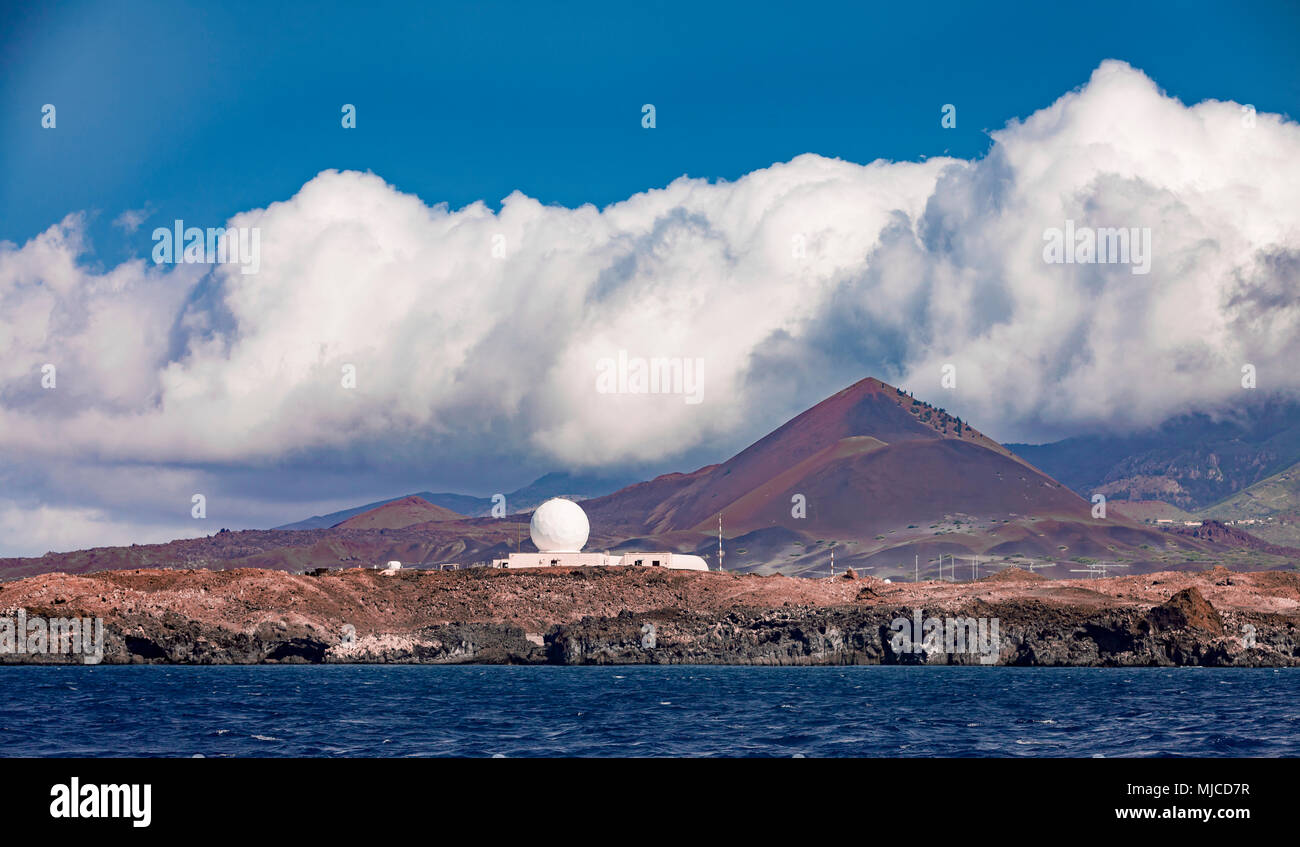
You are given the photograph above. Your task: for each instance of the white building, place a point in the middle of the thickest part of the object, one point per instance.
(676, 561)
(559, 530)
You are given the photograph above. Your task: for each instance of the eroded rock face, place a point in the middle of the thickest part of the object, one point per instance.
(1187, 609)
(612, 616)
(198, 645)
(853, 636)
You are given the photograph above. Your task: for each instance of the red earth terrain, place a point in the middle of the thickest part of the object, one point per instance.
(879, 478)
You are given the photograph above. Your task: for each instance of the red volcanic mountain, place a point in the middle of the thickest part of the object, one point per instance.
(868, 459)
(409, 511)
(894, 483)
(891, 482)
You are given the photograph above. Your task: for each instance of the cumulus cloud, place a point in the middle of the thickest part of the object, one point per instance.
(476, 335)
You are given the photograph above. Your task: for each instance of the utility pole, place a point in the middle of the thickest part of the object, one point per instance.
(916, 567)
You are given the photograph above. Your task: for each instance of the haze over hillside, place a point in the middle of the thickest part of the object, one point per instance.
(1190, 461)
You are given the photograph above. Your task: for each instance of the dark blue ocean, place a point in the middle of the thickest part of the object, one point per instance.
(646, 711)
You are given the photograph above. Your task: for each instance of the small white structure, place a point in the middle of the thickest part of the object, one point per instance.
(391, 568)
(560, 529)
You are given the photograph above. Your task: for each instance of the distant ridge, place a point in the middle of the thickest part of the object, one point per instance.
(1192, 461)
(1277, 494)
(1270, 508)
(408, 511)
(543, 488)
(461, 504)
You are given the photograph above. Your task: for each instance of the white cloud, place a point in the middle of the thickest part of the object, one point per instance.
(129, 221)
(907, 266)
(36, 530)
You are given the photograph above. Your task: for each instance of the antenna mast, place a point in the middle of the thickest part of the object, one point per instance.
(719, 540)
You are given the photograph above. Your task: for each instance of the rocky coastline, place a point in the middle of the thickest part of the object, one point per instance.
(613, 616)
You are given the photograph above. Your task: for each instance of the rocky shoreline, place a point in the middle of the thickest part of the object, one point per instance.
(615, 616)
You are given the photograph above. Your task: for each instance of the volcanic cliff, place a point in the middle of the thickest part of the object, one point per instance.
(648, 615)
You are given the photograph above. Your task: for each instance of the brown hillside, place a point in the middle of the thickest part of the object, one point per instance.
(913, 482)
(870, 457)
(867, 409)
(408, 511)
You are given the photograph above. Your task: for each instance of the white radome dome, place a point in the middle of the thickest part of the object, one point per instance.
(559, 526)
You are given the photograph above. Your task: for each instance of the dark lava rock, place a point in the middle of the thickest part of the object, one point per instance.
(1187, 608)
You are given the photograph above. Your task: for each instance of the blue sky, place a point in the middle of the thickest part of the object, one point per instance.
(201, 110)
(476, 371)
